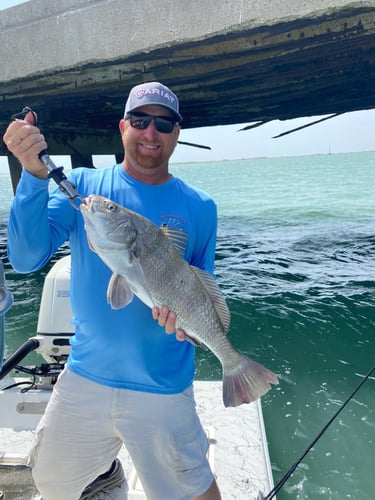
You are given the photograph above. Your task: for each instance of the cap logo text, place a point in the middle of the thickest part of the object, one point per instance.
(155, 91)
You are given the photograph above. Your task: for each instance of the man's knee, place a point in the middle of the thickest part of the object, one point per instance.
(212, 493)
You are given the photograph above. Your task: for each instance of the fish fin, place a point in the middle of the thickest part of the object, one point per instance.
(137, 282)
(119, 293)
(216, 296)
(196, 342)
(91, 246)
(178, 237)
(246, 382)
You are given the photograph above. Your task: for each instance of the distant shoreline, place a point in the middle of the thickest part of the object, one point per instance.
(4, 170)
(272, 157)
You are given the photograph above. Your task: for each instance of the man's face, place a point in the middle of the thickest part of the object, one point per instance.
(148, 148)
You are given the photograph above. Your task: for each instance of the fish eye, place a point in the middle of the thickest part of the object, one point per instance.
(111, 207)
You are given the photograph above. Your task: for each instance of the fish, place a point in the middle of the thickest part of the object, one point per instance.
(146, 261)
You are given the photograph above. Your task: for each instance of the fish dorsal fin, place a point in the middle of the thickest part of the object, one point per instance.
(119, 293)
(216, 296)
(178, 237)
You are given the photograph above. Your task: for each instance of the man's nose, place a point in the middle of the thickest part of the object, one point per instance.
(151, 130)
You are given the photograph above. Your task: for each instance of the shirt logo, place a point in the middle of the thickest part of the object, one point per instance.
(171, 220)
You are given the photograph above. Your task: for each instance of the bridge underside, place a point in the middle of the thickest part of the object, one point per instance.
(305, 67)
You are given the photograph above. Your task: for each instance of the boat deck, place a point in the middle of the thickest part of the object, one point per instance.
(238, 450)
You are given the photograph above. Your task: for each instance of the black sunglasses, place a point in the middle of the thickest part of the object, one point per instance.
(141, 121)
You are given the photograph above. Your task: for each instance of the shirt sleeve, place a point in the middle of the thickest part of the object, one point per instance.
(36, 227)
(204, 252)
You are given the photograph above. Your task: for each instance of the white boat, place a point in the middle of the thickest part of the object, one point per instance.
(238, 450)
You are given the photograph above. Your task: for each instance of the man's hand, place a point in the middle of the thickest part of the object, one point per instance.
(167, 318)
(25, 141)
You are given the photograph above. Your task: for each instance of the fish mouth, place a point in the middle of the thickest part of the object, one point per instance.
(87, 210)
(87, 202)
(87, 206)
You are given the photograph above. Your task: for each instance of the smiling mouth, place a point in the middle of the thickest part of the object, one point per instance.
(150, 147)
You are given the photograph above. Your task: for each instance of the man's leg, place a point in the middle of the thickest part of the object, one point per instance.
(105, 482)
(212, 493)
(167, 444)
(74, 442)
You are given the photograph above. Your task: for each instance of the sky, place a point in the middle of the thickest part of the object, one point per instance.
(350, 132)
(4, 4)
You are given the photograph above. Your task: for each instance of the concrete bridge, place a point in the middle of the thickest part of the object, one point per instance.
(231, 61)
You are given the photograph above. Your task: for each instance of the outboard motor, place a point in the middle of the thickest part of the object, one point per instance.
(55, 314)
(54, 326)
(26, 392)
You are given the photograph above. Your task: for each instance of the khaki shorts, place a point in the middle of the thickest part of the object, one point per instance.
(85, 425)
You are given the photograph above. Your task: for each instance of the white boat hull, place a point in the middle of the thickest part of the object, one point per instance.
(238, 447)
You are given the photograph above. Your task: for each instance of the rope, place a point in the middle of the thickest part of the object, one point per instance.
(280, 484)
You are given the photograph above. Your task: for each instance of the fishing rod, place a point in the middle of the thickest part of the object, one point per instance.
(253, 125)
(306, 125)
(194, 145)
(283, 480)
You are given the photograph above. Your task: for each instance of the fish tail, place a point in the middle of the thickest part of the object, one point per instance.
(246, 382)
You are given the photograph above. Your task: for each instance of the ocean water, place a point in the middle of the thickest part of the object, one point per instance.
(296, 261)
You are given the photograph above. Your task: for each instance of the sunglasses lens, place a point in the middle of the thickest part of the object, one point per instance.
(163, 125)
(141, 121)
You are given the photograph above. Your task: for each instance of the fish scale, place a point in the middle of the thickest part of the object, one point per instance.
(145, 262)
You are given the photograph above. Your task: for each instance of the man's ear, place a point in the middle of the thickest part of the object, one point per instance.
(121, 125)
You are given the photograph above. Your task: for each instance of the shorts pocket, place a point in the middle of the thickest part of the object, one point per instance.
(191, 449)
(35, 445)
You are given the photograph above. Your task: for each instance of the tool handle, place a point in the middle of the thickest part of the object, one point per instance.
(43, 155)
(54, 172)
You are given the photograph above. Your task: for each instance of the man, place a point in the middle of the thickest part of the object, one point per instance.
(125, 380)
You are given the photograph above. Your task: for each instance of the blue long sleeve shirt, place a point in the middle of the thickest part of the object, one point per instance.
(122, 348)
